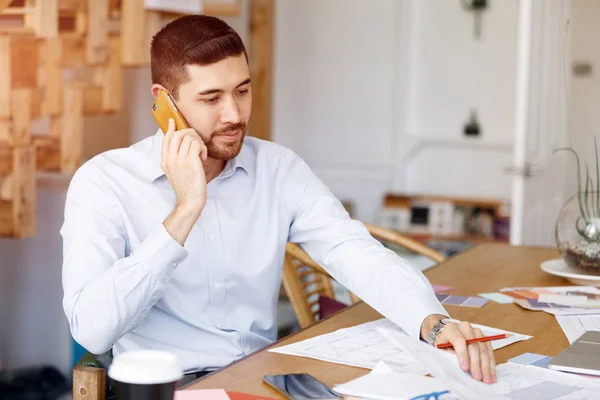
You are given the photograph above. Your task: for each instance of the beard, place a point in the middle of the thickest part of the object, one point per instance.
(225, 151)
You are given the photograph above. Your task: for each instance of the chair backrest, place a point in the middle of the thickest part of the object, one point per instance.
(305, 281)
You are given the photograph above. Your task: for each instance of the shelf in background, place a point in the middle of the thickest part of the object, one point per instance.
(447, 223)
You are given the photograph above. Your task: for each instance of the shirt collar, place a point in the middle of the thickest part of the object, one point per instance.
(244, 160)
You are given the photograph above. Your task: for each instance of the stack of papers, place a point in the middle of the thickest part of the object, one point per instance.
(359, 346)
(386, 383)
(576, 308)
(563, 298)
(364, 346)
(443, 365)
(574, 326)
(515, 381)
(573, 311)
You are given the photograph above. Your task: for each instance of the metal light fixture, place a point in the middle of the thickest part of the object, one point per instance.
(476, 7)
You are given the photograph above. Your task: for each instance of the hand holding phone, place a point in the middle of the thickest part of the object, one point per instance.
(183, 152)
(163, 109)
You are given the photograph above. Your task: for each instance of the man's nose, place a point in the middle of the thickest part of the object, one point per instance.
(230, 113)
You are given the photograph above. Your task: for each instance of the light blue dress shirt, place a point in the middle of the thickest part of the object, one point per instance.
(129, 285)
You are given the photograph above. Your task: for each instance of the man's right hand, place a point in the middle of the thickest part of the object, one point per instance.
(183, 152)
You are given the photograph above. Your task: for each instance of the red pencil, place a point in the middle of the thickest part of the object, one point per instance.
(476, 340)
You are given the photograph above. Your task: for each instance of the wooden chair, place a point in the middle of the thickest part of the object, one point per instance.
(306, 282)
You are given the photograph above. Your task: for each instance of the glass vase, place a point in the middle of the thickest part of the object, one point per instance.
(578, 232)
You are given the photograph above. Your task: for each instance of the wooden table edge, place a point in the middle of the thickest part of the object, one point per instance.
(267, 348)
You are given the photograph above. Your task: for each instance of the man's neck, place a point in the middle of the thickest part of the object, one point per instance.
(212, 168)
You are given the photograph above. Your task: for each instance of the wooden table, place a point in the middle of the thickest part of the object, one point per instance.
(485, 268)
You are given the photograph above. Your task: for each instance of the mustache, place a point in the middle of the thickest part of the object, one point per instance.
(230, 128)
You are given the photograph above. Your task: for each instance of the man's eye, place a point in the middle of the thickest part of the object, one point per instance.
(212, 100)
(242, 91)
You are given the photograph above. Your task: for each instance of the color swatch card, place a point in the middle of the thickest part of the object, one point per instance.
(463, 301)
(590, 293)
(206, 394)
(535, 305)
(571, 298)
(215, 394)
(441, 288)
(498, 298)
(538, 360)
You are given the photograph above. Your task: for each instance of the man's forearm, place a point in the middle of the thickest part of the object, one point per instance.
(386, 282)
(180, 222)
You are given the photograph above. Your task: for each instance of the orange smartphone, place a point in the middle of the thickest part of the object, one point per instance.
(164, 108)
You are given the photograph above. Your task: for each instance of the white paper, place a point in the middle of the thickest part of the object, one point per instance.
(586, 297)
(443, 365)
(358, 346)
(556, 289)
(385, 383)
(556, 309)
(563, 299)
(177, 6)
(571, 311)
(498, 344)
(530, 382)
(515, 381)
(363, 346)
(574, 326)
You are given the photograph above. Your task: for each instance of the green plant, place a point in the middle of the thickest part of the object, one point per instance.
(588, 198)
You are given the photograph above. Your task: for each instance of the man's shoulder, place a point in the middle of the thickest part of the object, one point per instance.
(266, 150)
(103, 166)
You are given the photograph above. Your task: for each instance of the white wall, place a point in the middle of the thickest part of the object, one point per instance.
(32, 323)
(585, 90)
(334, 76)
(447, 73)
(374, 96)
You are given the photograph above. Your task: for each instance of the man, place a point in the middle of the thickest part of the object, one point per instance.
(177, 242)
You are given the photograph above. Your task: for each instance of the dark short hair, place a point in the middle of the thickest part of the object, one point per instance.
(191, 40)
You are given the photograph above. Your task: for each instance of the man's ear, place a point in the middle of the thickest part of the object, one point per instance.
(156, 88)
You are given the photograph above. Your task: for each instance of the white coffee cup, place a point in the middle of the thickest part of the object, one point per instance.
(145, 374)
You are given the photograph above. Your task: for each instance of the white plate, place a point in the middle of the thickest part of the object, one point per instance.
(559, 267)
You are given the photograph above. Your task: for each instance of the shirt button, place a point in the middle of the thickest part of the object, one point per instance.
(217, 284)
(173, 265)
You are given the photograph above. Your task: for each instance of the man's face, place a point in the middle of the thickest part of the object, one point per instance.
(216, 101)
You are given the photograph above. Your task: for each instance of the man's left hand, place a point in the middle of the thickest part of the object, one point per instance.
(477, 358)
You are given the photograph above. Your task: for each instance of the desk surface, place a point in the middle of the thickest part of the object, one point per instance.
(485, 268)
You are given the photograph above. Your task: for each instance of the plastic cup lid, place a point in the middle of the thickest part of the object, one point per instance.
(145, 367)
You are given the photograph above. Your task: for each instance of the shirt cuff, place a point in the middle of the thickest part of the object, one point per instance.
(160, 251)
(416, 309)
